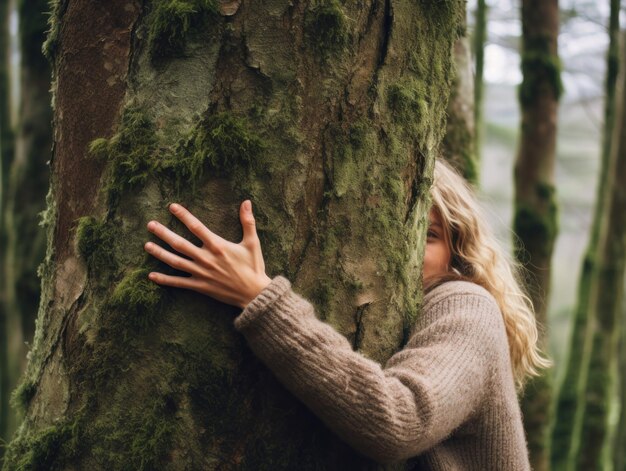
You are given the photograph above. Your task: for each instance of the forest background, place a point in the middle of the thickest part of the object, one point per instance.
(583, 42)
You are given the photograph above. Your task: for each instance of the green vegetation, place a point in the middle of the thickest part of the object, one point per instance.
(171, 21)
(327, 28)
(22, 395)
(539, 67)
(222, 143)
(138, 298)
(95, 242)
(49, 449)
(134, 438)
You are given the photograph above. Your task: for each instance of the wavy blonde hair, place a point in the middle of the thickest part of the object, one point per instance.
(478, 256)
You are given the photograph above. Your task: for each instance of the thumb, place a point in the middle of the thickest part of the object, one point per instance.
(247, 221)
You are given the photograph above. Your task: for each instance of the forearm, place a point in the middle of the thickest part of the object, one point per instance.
(376, 413)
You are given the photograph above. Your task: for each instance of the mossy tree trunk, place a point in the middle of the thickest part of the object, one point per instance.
(26, 188)
(6, 155)
(619, 450)
(606, 301)
(327, 115)
(535, 219)
(479, 41)
(458, 145)
(569, 402)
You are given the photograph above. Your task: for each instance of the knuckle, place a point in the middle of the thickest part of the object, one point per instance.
(195, 226)
(178, 244)
(178, 263)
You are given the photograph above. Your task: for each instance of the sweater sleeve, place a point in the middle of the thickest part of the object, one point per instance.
(422, 394)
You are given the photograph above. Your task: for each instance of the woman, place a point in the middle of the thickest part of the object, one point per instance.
(448, 398)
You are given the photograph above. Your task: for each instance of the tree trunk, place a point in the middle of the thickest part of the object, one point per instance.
(480, 39)
(6, 155)
(26, 190)
(326, 115)
(606, 307)
(570, 402)
(535, 221)
(458, 145)
(619, 451)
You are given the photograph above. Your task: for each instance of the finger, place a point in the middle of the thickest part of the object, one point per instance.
(247, 221)
(195, 225)
(178, 243)
(173, 260)
(175, 281)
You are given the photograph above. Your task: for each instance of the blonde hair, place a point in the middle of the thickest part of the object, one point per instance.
(477, 256)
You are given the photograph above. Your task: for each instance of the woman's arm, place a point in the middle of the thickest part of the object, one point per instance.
(424, 392)
(435, 384)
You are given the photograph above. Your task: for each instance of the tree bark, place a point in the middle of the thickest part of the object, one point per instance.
(569, 407)
(607, 299)
(479, 41)
(535, 221)
(619, 453)
(458, 145)
(327, 115)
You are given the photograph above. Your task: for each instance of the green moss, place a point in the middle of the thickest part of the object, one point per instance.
(171, 21)
(410, 105)
(137, 438)
(220, 143)
(22, 395)
(131, 153)
(536, 228)
(138, 298)
(540, 69)
(57, 7)
(47, 450)
(327, 28)
(95, 242)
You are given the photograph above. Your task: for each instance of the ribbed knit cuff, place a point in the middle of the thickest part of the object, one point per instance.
(264, 300)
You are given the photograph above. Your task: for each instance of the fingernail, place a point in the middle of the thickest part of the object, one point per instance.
(151, 225)
(247, 206)
(173, 207)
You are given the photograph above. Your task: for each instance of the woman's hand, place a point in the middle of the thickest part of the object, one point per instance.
(231, 273)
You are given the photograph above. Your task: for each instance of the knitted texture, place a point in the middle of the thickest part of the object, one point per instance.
(446, 401)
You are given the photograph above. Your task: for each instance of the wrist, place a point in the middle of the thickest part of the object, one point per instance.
(258, 285)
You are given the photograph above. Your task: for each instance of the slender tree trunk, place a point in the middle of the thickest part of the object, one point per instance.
(479, 41)
(569, 407)
(6, 155)
(606, 307)
(619, 451)
(458, 145)
(26, 189)
(535, 221)
(327, 115)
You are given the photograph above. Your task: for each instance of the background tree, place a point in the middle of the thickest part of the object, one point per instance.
(459, 146)
(606, 300)
(479, 41)
(619, 453)
(324, 114)
(26, 187)
(6, 155)
(535, 218)
(570, 399)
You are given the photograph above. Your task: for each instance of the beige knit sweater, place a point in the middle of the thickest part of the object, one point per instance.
(447, 399)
